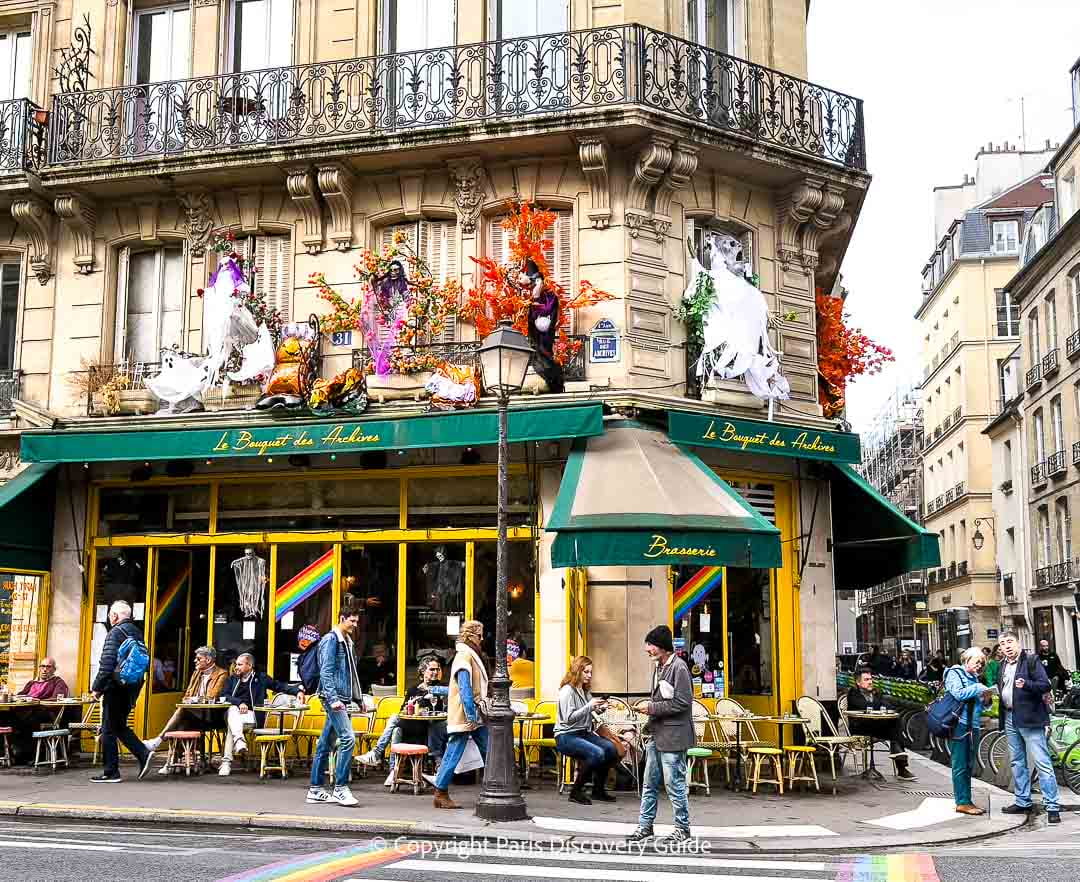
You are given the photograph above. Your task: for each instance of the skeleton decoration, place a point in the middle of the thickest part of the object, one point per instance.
(385, 313)
(249, 572)
(736, 328)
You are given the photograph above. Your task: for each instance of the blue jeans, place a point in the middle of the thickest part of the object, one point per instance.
(455, 748)
(962, 753)
(598, 754)
(390, 735)
(670, 768)
(1021, 740)
(337, 730)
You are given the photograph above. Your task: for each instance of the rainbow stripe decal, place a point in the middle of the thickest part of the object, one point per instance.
(168, 600)
(322, 867)
(300, 587)
(696, 589)
(889, 868)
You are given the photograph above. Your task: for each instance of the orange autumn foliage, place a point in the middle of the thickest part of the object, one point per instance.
(844, 353)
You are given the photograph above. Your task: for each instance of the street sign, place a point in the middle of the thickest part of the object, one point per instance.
(341, 338)
(604, 342)
(991, 633)
(920, 605)
(923, 621)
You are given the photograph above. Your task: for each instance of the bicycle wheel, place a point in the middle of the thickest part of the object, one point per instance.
(1070, 766)
(917, 730)
(999, 754)
(982, 755)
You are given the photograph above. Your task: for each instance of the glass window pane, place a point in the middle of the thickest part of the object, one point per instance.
(364, 504)
(410, 25)
(241, 603)
(750, 631)
(251, 27)
(180, 64)
(281, 33)
(137, 510)
(9, 313)
(699, 635)
(7, 61)
(435, 599)
(173, 296)
(467, 502)
(121, 575)
(181, 606)
(521, 591)
(300, 566)
(369, 575)
(23, 61)
(20, 605)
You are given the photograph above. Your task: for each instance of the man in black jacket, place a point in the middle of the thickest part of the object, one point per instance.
(861, 698)
(117, 699)
(1055, 670)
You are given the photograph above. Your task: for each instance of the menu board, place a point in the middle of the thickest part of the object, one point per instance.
(7, 590)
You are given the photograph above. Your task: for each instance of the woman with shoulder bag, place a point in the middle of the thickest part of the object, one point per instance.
(574, 735)
(962, 683)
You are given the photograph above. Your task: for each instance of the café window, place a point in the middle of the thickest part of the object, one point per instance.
(150, 296)
(22, 638)
(181, 593)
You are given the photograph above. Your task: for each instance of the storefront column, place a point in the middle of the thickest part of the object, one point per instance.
(66, 612)
(551, 647)
(817, 592)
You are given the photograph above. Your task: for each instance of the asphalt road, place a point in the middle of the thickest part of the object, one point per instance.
(58, 851)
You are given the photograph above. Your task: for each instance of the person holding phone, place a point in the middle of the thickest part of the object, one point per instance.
(575, 736)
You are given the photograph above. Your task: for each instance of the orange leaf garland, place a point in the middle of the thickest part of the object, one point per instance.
(844, 353)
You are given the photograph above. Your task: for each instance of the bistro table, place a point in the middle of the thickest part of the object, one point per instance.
(785, 721)
(57, 704)
(871, 773)
(205, 709)
(737, 780)
(281, 711)
(523, 760)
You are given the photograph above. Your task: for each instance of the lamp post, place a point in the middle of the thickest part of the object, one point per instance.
(504, 359)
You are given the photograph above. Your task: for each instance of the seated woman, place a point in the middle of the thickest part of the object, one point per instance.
(574, 735)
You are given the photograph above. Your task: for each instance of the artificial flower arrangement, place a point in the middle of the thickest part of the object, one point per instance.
(844, 353)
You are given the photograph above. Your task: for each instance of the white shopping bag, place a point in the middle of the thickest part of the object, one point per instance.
(470, 760)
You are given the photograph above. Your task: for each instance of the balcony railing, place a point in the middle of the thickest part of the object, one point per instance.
(1060, 573)
(940, 502)
(961, 568)
(1034, 375)
(956, 416)
(1055, 463)
(948, 495)
(9, 389)
(1050, 362)
(1072, 345)
(1076, 452)
(931, 506)
(489, 82)
(952, 570)
(931, 577)
(1042, 578)
(1038, 474)
(960, 490)
(1007, 585)
(22, 136)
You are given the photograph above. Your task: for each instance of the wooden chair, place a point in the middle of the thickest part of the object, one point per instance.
(821, 734)
(698, 756)
(766, 756)
(90, 725)
(619, 715)
(55, 743)
(412, 756)
(273, 741)
(5, 757)
(801, 765)
(844, 730)
(383, 691)
(184, 749)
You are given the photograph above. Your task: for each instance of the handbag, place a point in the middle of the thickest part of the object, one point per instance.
(605, 732)
(943, 715)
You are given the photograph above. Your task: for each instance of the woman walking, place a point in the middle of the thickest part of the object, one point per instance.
(574, 735)
(962, 683)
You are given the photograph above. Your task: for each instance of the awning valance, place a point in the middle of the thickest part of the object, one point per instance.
(631, 497)
(26, 519)
(873, 540)
(457, 429)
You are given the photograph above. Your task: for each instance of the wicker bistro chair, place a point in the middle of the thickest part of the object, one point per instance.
(703, 752)
(5, 753)
(821, 734)
(620, 716)
(375, 723)
(862, 751)
(90, 725)
(308, 732)
(274, 737)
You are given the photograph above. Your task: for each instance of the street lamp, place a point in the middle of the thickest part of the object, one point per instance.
(504, 360)
(977, 538)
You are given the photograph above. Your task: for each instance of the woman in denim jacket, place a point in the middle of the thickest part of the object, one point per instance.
(962, 683)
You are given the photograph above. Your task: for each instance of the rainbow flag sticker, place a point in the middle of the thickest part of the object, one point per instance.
(324, 866)
(696, 589)
(300, 587)
(169, 597)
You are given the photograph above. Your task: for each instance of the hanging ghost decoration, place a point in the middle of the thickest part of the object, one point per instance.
(227, 323)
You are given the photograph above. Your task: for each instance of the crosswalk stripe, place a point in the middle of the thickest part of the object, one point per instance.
(161, 847)
(632, 857)
(579, 873)
(66, 846)
(615, 828)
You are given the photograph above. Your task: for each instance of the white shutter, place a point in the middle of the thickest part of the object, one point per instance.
(123, 261)
(761, 496)
(561, 260)
(273, 259)
(438, 247)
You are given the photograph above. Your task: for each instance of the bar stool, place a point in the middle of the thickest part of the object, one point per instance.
(413, 754)
(761, 756)
(704, 755)
(801, 765)
(5, 757)
(183, 751)
(55, 743)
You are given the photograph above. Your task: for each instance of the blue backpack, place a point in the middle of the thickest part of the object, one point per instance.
(132, 662)
(943, 715)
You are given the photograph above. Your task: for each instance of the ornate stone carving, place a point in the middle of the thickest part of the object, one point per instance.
(79, 215)
(824, 219)
(793, 209)
(641, 224)
(200, 220)
(35, 219)
(652, 162)
(593, 155)
(684, 162)
(468, 177)
(829, 261)
(9, 459)
(336, 185)
(300, 182)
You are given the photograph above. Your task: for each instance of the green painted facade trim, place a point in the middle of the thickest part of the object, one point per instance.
(457, 429)
(754, 436)
(27, 503)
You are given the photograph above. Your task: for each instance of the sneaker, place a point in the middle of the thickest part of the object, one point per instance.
(679, 836)
(318, 794)
(145, 767)
(389, 779)
(579, 797)
(105, 779)
(240, 745)
(152, 744)
(1015, 809)
(368, 759)
(343, 796)
(225, 770)
(431, 779)
(164, 770)
(1053, 817)
(641, 834)
(906, 774)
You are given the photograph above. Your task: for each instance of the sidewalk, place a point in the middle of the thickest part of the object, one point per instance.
(861, 816)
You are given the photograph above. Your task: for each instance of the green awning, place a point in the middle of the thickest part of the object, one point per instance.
(457, 429)
(631, 497)
(873, 540)
(26, 518)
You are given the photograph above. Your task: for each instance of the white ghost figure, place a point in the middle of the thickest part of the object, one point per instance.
(736, 328)
(227, 323)
(257, 359)
(181, 377)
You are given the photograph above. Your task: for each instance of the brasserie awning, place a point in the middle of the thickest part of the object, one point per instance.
(873, 540)
(631, 497)
(26, 519)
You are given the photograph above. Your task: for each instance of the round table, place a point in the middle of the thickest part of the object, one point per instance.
(737, 780)
(785, 721)
(871, 772)
(523, 760)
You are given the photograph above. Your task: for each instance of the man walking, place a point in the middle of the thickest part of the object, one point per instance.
(671, 727)
(338, 684)
(1022, 682)
(117, 699)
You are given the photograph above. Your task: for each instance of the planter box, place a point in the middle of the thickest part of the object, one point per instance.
(395, 387)
(240, 397)
(131, 402)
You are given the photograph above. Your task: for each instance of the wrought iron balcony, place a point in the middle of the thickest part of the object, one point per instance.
(1050, 362)
(956, 416)
(931, 577)
(949, 496)
(960, 490)
(1042, 578)
(952, 570)
(961, 568)
(22, 136)
(1034, 375)
(1038, 474)
(1072, 345)
(497, 81)
(940, 501)
(1060, 573)
(1076, 452)
(946, 424)
(1055, 463)
(9, 389)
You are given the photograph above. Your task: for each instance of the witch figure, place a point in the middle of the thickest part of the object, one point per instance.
(543, 325)
(388, 309)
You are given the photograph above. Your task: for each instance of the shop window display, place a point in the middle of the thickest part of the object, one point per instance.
(20, 606)
(369, 576)
(181, 597)
(435, 599)
(241, 602)
(750, 631)
(121, 575)
(699, 626)
(521, 597)
(124, 511)
(305, 596)
(467, 501)
(309, 505)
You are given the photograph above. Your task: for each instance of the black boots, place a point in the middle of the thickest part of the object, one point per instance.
(599, 794)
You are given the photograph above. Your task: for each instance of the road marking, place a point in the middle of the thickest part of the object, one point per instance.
(605, 875)
(889, 868)
(612, 828)
(632, 857)
(66, 846)
(157, 848)
(931, 812)
(320, 867)
(26, 826)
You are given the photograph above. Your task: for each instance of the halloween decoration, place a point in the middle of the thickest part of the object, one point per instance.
(296, 361)
(347, 391)
(453, 387)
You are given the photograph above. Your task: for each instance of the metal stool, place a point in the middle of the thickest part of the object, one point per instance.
(801, 760)
(5, 757)
(413, 754)
(183, 751)
(704, 755)
(55, 743)
(760, 756)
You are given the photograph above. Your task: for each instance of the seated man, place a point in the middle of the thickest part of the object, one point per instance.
(862, 697)
(45, 687)
(245, 690)
(207, 681)
(429, 696)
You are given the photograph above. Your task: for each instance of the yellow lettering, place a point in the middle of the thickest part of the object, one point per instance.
(710, 433)
(223, 443)
(660, 548)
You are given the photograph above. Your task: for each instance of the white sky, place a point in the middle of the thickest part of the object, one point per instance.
(939, 78)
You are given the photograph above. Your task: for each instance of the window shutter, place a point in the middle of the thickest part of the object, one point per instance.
(123, 259)
(438, 246)
(273, 259)
(561, 261)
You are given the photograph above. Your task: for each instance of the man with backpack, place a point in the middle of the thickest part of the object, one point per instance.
(121, 669)
(1023, 684)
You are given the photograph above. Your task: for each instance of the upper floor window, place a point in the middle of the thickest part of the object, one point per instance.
(1066, 197)
(1074, 298)
(162, 44)
(1033, 336)
(272, 256)
(1043, 533)
(1005, 237)
(1057, 424)
(262, 33)
(1038, 438)
(956, 244)
(10, 273)
(410, 25)
(1064, 529)
(528, 18)
(700, 231)
(15, 64)
(1051, 322)
(558, 247)
(947, 256)
(1076, 95)
(150, 295)
(435, 242)
(712, 23)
